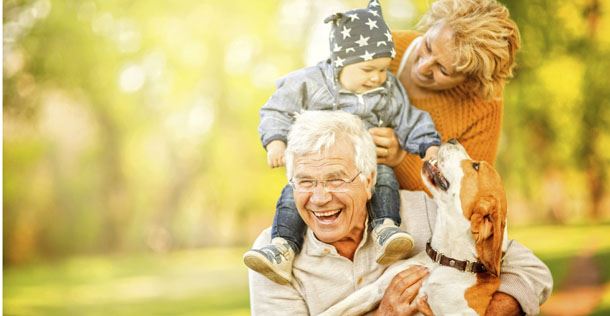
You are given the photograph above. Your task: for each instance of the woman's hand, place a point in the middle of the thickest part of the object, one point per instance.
(398, 297)
(388, 150)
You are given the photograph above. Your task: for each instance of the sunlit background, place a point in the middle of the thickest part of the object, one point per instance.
(134, 177)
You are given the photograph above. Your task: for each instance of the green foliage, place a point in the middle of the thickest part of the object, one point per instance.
(132, 125)
(555, 111)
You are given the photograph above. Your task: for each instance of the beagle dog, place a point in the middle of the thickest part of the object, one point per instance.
(464, 253)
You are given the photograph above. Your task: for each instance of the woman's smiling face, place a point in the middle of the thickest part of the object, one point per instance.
(434, 59)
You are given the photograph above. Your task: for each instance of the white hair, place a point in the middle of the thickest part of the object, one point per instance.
(316, 131)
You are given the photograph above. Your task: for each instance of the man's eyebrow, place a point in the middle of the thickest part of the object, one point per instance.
(336, 174)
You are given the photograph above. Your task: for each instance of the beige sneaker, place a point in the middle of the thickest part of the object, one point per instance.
(274, 261)
(394, 244)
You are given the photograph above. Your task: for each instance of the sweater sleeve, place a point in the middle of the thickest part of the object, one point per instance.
(414, 127)
(525, 278)
(270, 298)
(277, 115)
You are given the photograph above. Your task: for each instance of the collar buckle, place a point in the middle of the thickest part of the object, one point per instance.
(469, 266)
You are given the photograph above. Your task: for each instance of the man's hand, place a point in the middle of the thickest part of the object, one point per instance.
(503, 304)
(431, 153)
(388, 149)
(275, 154)
(398, 297)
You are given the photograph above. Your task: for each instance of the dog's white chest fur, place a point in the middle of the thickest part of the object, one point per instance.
(443, 288)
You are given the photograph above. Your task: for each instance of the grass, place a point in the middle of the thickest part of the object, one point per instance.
(556, 245)
(214, 281)
(197, 282)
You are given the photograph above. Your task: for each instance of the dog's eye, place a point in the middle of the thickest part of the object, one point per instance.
(475, 166)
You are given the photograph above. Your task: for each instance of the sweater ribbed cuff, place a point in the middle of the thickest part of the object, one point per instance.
(424, 147)
(274, 137)
(517, 288)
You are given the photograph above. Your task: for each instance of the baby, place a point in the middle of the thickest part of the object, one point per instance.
(354, 79)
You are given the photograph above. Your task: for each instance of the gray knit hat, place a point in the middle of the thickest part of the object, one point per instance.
(359, 35)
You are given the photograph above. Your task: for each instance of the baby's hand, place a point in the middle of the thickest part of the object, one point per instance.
(275, 153)
(431, 153)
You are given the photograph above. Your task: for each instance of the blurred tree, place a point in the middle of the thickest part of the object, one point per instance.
(595, 104)
(560, 95)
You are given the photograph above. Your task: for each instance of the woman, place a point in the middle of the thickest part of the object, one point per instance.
(456, 71)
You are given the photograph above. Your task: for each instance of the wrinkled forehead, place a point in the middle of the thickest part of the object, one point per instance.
(336, 160)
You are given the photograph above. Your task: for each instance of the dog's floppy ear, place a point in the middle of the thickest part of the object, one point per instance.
(487, 225)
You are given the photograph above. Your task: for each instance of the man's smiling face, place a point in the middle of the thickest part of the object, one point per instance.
(333, 216)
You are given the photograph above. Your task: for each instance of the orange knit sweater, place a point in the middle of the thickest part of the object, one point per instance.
(475, 123)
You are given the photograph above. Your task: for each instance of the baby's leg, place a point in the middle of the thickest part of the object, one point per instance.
(385, 203)
(275, 260)
(287, 222)
(394, 244)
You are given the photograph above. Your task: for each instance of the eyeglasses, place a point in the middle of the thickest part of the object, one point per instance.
(330, 185)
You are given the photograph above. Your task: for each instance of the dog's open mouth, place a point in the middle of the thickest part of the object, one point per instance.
(435, 177)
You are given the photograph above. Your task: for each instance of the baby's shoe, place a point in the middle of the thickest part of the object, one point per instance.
(393, 243)
(273, 261)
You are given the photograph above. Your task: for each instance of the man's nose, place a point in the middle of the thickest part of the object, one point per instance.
(320, 195)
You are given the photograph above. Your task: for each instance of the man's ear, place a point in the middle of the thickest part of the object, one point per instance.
(369, 184)
(487, 225)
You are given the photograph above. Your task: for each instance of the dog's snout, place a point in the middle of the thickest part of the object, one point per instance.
(453, 141)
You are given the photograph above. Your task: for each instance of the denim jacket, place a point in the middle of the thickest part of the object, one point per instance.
(316, 88)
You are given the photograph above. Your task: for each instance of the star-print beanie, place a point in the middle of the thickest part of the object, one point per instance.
(359, 35)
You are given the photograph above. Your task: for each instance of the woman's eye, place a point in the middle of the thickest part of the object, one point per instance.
(475, 166)
(444, 71)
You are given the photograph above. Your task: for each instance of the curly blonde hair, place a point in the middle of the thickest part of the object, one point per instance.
(486, 41)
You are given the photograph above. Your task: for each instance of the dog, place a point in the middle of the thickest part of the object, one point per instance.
(465, 251)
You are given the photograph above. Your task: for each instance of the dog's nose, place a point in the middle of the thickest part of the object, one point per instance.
(453, 141)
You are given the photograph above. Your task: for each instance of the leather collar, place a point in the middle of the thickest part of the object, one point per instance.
(462, 265)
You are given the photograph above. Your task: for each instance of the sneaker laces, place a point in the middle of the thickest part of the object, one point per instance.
(385, 234)
(274, 253)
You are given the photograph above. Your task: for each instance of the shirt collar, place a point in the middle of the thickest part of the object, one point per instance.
(319, 249)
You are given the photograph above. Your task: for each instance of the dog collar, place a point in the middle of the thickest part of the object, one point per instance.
(462, 265)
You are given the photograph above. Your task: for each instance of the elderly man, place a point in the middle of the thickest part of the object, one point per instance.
(330, 161)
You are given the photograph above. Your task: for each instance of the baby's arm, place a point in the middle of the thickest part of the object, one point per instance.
(414, 128)
(277, 115)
